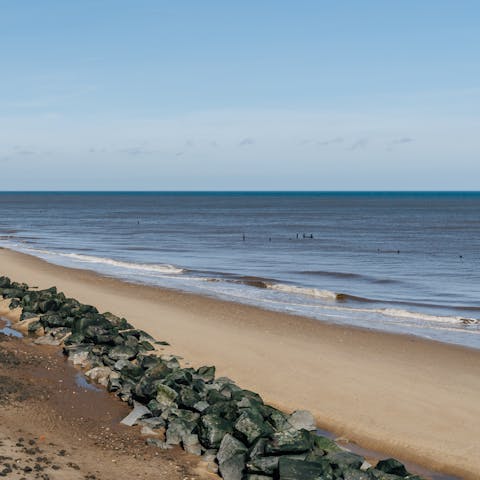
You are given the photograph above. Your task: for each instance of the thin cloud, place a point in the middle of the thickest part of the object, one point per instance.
(135, 151)
(401, 141)
(246, 142)
(359, 144)
(333, 141)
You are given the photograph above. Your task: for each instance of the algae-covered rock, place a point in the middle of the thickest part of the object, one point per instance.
(350, 474)
(345, 460)
(229, 447)
(263, 465)
(147, 386)
(290, 441)
(325, 444)
(121, 352)
(207, 374)
(251, 425)
(211, 430)
(166, 396)
(292, 469)
(392, 466)
(178, 431)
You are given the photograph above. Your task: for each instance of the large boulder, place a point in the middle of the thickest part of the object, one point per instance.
(392, 466)
(290, 441)
(345, 460)
(292, 469)
(121, 352)
(211, 430)
(251, 425)
(231, 458)
(166, 396)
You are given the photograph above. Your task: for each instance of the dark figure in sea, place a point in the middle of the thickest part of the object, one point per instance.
(243, 236)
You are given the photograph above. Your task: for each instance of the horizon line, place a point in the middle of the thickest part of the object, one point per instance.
(242, 191)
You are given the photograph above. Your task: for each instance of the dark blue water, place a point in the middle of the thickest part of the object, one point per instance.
(402, 262)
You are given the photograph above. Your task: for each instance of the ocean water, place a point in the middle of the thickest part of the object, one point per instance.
(400, 262)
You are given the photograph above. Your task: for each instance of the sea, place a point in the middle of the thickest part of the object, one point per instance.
(404, 262)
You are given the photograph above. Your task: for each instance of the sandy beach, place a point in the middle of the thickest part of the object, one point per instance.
(413, 399)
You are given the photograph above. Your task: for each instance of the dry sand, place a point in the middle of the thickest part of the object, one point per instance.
(413, 399)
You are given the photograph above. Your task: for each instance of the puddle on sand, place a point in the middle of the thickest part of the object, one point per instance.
(372, 454)
(6, 330)
(82, 382)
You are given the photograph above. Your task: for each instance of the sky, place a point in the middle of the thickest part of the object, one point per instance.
(239, 95)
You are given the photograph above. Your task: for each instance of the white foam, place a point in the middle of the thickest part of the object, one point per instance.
(142, 267)
(311, 292)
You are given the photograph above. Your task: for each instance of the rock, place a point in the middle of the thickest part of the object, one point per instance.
(191, 444)
(258, 448)
(233, 468)
(28, 315)
(231, 458)
(224, 409)
(75, 339)
(47, 340)
(302, 419)
(344, 460)
(24, 325)
(139, 411)
(188, 398)
(379, 475)
(155, 442)
(147, 431)
(325, 444)
(392, 466)
(230, 447)
(255, 476)
(118, 322)
(178, 430)
(201, 406)
(350, 474)
(292, 469)
(79, 355)
(166, 396)
(207, 374)
(251, 425)
(211, 430)
(121, 352)
(153, 422)
(263, 465)
(290, 441)
(100, 375)
(277, 419)
(147, 386)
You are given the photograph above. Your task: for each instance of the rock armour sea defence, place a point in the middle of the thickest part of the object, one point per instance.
(233, 430)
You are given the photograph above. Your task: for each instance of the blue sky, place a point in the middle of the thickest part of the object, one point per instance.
(316, 95)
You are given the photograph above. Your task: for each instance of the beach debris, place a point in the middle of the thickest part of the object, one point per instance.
(232, 429)
(136, 414)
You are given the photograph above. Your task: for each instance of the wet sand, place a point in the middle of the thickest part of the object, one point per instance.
(410, 398)
(51, 428)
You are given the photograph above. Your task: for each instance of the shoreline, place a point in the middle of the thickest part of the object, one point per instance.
(411, 398)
